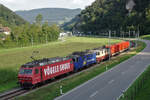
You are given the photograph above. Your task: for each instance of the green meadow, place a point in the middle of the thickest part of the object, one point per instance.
(12, 59)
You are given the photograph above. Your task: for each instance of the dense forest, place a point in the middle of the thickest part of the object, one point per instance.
(104, 15)
(24, 33)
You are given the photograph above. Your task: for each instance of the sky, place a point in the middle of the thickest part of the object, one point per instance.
(33, 4)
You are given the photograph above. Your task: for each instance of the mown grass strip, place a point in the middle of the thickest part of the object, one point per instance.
(144, 92)
(146, 37)
(52, 91)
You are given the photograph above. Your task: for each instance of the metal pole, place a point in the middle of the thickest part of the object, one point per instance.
(129, 39)
(106, 68)
(46, 38)
(115, 34)
(61, 92)
(123, 35)
(109, 45)
(135, 38)
(32, 40)
(138, 32)
(129, 33)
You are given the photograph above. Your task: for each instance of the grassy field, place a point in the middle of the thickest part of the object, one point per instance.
(144, 93)
(146, 37)
(12, 59)
(52, 91)
(139, 90)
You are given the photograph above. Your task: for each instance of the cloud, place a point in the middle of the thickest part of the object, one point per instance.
(10, 1)
(78, 1)
(33, 4)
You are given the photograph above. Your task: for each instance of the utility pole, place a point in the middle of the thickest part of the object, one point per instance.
(129, 38)
(32, 40)
(109, 44)
(46, 38)
(138, 32)
(123, 35)
(129, 33)
(115, 34)
(135, 38)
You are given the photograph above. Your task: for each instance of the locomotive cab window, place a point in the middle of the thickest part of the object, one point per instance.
(74, 59)
(25, 71)
(36, 71)
(97, 53)
(77, 60)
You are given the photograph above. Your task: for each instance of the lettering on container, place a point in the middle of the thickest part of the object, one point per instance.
(56, 69)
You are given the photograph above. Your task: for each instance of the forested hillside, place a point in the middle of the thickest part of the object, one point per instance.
(52, 15)
(104, 15)
(23, 33)
(9, 18)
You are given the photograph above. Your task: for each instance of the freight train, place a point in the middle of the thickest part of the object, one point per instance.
(39, 71)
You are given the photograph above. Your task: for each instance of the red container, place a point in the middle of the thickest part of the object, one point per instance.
(56, 69)
(119, 47)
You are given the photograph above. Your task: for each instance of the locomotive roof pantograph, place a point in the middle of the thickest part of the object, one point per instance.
(44, 61)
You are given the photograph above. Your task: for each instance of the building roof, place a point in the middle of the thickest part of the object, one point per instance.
(6, 29)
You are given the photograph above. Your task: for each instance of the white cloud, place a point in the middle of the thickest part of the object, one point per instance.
(32, 4)
(78, 1)
(10, 0)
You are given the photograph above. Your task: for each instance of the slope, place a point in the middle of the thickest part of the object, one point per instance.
(52, 15)
(8, 17)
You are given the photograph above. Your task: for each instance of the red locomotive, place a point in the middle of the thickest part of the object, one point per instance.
(39, 71)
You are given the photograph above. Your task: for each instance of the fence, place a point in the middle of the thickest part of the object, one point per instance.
(131, 93)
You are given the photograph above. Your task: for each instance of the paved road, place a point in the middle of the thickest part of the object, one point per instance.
(109, 85)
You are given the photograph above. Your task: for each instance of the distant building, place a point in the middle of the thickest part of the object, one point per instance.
(1, 30)
(65, 34)
(5, 30)
(62, 34)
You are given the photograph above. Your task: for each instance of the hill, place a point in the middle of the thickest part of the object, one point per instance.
(52, 15)
(8, 17)
(104, 15)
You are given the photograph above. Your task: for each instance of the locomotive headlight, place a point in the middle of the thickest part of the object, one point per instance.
(20, 78)
(29, 79)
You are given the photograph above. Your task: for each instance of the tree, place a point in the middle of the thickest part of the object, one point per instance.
(39, 19)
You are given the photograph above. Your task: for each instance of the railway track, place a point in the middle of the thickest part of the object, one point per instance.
(12, 94)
